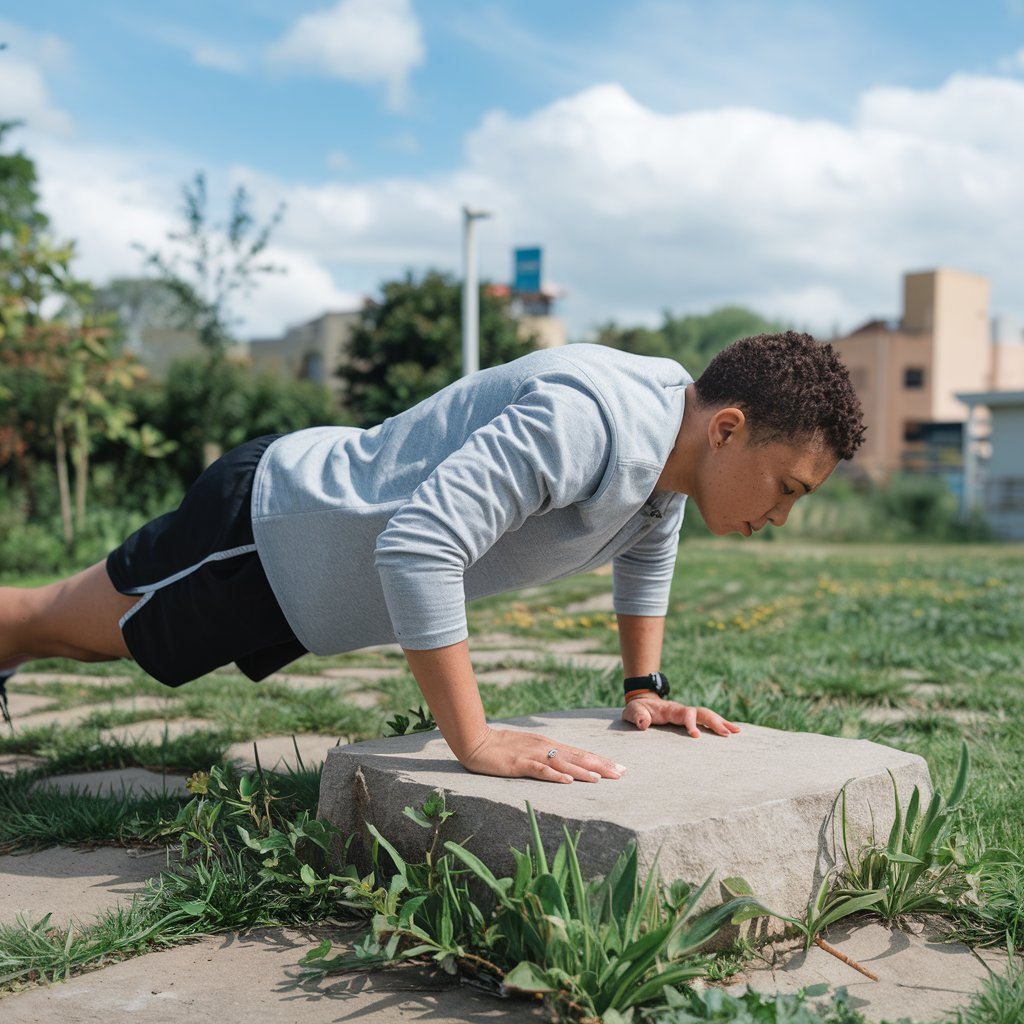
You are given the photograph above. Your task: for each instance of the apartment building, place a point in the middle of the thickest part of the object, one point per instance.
(311, 351)
(908, 372)
(994, 461)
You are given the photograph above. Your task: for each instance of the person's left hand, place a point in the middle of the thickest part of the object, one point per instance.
(647, 711)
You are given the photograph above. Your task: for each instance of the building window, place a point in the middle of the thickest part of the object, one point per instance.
(913, 377)
(913, 430)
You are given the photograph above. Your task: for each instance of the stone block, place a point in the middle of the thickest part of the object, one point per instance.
(761, 804)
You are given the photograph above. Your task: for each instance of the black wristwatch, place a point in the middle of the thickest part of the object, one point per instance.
(636, 686)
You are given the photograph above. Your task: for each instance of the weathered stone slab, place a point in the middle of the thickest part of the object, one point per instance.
(278, 754)
(117, 781)
(10, 764)
(156, 730)
(760, 804)
(920, 977)
(75, 715)
(257, 977)
(72, 884)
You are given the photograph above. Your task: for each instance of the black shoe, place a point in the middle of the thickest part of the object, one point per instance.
(4, 712)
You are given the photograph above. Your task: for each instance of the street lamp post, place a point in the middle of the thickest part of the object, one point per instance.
(470, 293)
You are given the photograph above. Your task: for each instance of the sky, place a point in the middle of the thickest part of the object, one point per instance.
(793, 156)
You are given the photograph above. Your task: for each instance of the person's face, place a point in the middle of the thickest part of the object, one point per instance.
(744, 486)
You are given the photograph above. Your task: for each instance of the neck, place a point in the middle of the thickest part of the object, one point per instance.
(679, 473)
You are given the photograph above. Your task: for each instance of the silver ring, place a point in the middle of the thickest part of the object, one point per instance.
(552, 753)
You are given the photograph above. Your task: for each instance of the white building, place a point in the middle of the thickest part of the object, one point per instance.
(994, 460)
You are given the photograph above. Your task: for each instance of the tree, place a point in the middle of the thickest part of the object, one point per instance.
(19, 201)
(62, 378)
(211, 265)
(691, 340)
(247, 406)
(409, 344)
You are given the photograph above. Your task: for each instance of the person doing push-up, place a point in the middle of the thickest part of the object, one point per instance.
(334, 538)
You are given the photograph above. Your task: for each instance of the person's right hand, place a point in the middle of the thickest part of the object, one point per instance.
(515, 755)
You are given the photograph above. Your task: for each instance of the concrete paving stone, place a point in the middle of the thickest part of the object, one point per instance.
(596, 662)
(366, 674)
(254, 977)
(297, 681)
(73, 716)
(896, 715)
(277, 753)
(153, 730)
(507, 656)
(136, 781)
(22, 704)
(758, 804)
(572, 646)
(336, 678)
(12, 763)
(919, 977)
(388, 649)
(598, 603)
(487, 641)
(72, 884)
(508, 676)
(79, 679)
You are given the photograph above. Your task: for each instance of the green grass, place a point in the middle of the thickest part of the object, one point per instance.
(918, 647)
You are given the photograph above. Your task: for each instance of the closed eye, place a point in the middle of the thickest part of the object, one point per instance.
(787, 490)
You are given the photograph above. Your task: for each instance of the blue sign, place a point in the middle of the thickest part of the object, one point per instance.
(527, 275)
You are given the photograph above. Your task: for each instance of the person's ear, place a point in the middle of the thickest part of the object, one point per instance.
(723, 424)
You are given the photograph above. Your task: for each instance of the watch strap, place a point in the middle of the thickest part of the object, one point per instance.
(641, 686)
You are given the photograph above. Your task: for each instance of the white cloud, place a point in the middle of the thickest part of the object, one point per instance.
(339, 160)
(200, 48)
(638, 211)
(403, 142)
(24, 94)
(1014, 64)
(208, 55)
(43, 48)
(370, 42)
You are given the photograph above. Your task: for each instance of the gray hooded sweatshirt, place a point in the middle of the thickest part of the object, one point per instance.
(517, 475)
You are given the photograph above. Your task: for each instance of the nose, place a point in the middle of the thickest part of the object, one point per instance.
(780, 513)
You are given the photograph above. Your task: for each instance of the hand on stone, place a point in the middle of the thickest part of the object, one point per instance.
(646, 711)
(513, 755)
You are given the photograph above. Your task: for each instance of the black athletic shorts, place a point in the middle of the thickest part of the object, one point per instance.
(205, 600)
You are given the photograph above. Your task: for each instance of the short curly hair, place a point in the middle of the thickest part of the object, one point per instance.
(791, 387)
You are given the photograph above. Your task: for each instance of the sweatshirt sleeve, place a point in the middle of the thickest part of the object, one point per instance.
(642, 575)
(547, 449)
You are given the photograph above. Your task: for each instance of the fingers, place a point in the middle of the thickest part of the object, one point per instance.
(578, 765)
(644, 713)
(527, 755)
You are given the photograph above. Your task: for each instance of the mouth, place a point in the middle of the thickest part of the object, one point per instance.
(747, 530)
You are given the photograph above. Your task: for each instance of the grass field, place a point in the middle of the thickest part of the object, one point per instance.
(919, 647)
(911, 646)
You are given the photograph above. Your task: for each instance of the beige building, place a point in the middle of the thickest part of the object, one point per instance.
(908, 373)
(310, 351)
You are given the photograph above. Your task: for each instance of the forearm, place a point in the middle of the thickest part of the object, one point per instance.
(446, 680)
(640, 641)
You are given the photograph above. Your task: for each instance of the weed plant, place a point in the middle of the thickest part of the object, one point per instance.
(593, 947)
(922, 868)
(80, 749)
(1000, 1000)
(697, 1005)
(809, 638)
(33, 817)
(33, 951)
